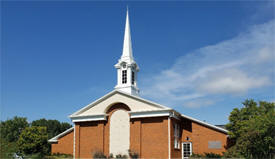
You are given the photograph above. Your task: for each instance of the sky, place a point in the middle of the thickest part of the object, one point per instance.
(201, 58)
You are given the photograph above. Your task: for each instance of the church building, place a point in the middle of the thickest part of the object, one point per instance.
(121, 121)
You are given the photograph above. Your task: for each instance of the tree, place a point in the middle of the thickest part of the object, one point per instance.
(7, 149)
(33, 140)
(54, 127)
(252, 130)
(64, 126)
(11, 129)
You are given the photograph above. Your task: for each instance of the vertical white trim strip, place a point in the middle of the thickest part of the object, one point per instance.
(191, 148)
(74, 144)
(169, 139)
(182, 151)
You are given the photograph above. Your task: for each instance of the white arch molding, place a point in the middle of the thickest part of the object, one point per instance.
(119, 132)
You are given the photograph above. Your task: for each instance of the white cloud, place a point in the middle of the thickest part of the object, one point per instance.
(232, 82)
(198, 103)
(231, 67)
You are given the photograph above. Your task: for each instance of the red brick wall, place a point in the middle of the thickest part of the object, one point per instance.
(90, 138)
(64, 145)
(135, 135)
(199, 135)
(154, 137)
(148, 137)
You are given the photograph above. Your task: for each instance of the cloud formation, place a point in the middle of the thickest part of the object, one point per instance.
(231, 67)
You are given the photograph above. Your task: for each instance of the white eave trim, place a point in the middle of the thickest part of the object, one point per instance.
(112, 93)
(55, 139)
(204, 123)
(95, 117)
(155, 113)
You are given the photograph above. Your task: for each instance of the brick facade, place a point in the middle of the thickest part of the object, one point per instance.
(64, 145)
(149, 137)
(154, 137)
(200, 135)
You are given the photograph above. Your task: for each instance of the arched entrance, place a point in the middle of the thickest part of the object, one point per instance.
(119, 132)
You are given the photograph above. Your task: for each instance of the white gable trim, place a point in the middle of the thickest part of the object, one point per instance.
(92, 104)
(156, 113)
(145, 114)
(112, 93)
(55, 139)
(142, 114)
(88, 118)
(139, 114)
(204, 123)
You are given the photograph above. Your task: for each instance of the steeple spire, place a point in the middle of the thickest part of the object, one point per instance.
(127, 68)
(127, 45)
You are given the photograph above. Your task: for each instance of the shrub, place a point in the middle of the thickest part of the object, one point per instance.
(133, 154)
(205, 155)
(119, 156)
(110, 156)
(194, 155)
(99, 155)
(59, 156)
(212, 155)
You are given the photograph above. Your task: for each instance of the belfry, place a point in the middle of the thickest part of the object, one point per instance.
(127, 68)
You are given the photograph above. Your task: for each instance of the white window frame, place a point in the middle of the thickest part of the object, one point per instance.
(124, 77)
(183, 149)
(176, 127)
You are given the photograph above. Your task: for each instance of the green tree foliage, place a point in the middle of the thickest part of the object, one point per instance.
(7, 149)
(11, 129)
(54, 127)
(252, 130)
(33, 140)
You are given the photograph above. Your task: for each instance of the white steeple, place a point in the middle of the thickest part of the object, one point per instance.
(127, 44)
(126, 67)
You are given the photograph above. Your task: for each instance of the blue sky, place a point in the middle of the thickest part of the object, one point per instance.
(202, 58)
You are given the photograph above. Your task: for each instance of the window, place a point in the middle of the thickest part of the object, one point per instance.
(133, 77)
(124, 76)
(187, 149)
(176, 136)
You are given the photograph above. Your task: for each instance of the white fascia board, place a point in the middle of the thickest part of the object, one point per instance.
(92, 104)
(96, 117)
(110, 94)
(156, 113)
(55, 139)
(144, 100)
(175, 115)
(204, 123)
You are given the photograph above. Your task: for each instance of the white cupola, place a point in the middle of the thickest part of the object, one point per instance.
(127, 68)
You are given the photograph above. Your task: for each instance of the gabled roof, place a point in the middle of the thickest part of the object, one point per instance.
(55, 139)
(161, 109)
(151, 105)
(205, 124)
